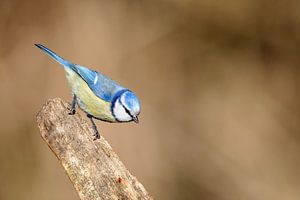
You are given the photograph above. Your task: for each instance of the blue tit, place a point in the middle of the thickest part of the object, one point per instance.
(97, 95)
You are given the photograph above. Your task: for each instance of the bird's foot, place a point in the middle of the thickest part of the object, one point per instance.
(96, 132)
(72, 111)
(97, 135)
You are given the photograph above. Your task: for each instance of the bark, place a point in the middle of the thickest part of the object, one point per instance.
(92, 166)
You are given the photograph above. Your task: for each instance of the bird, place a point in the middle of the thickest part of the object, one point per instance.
(97, 95)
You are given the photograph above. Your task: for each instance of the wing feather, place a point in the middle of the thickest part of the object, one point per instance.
(104, 87)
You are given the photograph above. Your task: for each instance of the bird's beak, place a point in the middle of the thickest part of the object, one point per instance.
(135, 119)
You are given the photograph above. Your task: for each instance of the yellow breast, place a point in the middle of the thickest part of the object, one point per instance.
(86, 98)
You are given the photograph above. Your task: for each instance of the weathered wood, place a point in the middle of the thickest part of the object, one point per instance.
(93, 167)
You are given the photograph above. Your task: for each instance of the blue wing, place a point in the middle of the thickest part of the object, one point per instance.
(104, 87)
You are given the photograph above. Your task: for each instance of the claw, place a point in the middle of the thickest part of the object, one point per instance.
(96, 132)
(97, 135)
(72, 112)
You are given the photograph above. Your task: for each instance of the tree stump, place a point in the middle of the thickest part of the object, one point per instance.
(92, 166)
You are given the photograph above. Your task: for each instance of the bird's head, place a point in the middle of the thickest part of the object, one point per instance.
(126, 107)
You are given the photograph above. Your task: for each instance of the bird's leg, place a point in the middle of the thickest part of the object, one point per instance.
(73, 105)
(96, 134)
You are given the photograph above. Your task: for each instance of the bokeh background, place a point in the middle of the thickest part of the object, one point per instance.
(218, 81)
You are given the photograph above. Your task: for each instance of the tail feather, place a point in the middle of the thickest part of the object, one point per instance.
(56, 57)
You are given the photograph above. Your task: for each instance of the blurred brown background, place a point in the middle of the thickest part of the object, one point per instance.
(218, 81)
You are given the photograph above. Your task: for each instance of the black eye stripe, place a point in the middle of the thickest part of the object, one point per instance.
(126, 110)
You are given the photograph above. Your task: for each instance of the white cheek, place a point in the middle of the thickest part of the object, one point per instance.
(120, 113)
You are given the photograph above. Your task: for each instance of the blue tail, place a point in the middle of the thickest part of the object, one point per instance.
(56, 57)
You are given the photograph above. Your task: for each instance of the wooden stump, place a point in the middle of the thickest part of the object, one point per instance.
(93, 167)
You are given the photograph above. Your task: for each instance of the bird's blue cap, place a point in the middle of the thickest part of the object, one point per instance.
(132, 102)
